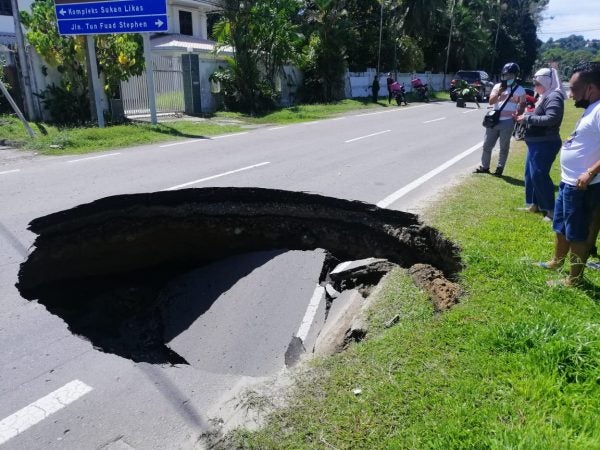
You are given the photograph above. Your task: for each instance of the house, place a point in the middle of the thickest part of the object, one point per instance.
(183, 59)
(187, 38)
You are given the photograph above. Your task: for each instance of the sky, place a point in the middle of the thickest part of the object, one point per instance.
(565, 17)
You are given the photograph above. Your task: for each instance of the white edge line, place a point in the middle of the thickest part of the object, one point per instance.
(435, 120)
(225, 136)
(311, 311)
(93, 157)
(182, 143)
(277, 128)
(394, 109)
(179, 186)
(10, 171)
(470, 111)
(419, 181)
(375, 113)
(367, 136)
(41, 409)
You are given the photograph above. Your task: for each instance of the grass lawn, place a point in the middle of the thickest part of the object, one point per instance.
(515, 365)
(51, 140)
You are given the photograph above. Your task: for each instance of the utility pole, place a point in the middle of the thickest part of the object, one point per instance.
(449, 42)
(501, 7)
(380, 31)
(26, 81)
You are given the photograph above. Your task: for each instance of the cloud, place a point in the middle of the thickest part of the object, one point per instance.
(566, 17)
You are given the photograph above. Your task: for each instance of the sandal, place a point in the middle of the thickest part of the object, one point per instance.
(547, 265)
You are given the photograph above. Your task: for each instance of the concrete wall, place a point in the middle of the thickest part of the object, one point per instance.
(358, 84)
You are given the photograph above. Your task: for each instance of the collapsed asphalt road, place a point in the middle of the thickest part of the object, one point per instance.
(101, 266)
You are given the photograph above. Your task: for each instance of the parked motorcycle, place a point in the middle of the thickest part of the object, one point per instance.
(421, 89)
(399, 93)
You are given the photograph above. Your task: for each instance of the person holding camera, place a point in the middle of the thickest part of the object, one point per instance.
(508, 100)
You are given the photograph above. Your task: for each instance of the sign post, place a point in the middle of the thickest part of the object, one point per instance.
(77, 17)
(89, 17)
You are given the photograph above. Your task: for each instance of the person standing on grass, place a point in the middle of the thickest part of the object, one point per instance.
(375, 88)
(577, 207)
(542, 137)
(510, 92)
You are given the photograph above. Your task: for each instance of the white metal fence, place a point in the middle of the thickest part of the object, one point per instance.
(168, 82)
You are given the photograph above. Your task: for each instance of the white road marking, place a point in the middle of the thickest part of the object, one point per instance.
(367, 136)
(389, 111)
(470, 111)
(192, 141)
(10, 171)
(41, 409)
(312, 122)
(179, 186)
(435, 120)
(375, 113)
(225, 136)
(93, 157)
(311, 311)
(277, 128)
(182, 143)
(419, 181)
(339, 118)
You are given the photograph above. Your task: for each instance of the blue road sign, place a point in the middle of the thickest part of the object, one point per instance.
(110, 16)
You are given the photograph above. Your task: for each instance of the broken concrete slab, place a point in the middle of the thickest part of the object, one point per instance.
(362, 273)
(337, 331)
(232, 316)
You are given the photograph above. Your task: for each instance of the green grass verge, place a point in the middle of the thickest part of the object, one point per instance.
(516, 365)
(59, 141)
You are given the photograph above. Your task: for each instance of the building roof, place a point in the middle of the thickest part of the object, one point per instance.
(183, 43)
(8, 39)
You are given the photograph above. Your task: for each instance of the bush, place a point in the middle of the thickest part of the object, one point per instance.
(65, 106)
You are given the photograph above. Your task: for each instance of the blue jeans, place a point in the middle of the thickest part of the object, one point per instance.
(539, 188)
(573, 211)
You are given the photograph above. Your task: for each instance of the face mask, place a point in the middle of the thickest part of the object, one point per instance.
(510, 81)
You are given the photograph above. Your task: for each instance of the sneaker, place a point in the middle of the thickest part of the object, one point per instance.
(481, 169)
(499, 171)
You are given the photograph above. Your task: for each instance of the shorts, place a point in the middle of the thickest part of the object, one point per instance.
(573, 211)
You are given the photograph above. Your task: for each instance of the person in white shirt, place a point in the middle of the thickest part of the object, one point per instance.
(514, 95)
(577, 208)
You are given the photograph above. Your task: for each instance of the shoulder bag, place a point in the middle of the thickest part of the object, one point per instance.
(492, 118)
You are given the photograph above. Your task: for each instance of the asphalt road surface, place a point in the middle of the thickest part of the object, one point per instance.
(57, 391)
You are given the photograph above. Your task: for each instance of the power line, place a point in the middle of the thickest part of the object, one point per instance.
(568, 31)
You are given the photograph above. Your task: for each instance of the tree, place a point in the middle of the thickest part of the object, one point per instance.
(323, 59)
(264, 37)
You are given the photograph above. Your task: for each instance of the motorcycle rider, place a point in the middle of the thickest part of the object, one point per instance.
(508, 88)
(390, 80)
